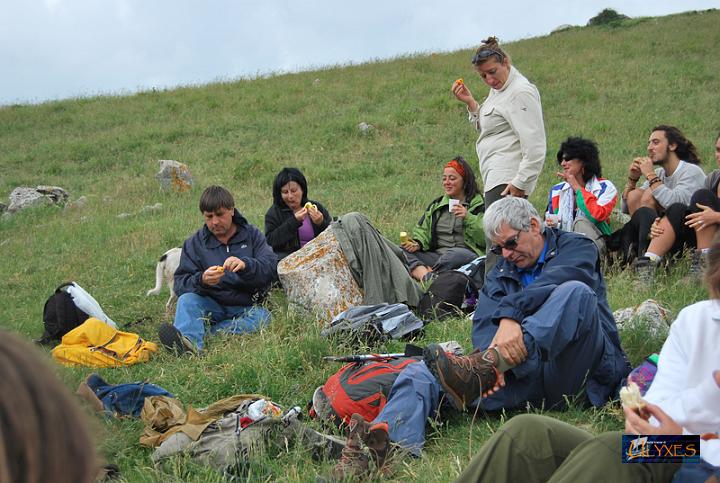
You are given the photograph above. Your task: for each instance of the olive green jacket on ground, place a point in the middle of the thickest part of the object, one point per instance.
(425, 231)
(377, 264)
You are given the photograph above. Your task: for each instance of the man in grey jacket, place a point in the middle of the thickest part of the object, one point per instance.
(671, 175)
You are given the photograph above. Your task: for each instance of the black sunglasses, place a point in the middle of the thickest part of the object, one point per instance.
(509, 244)
(484, 54)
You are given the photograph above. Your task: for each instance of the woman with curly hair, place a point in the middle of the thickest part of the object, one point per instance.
(584, 200)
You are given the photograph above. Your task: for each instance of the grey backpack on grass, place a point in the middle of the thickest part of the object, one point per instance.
(374, 323)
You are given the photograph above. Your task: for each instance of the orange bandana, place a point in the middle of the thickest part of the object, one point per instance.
(457, 167)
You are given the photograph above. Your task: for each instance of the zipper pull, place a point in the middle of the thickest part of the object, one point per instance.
(227, 247)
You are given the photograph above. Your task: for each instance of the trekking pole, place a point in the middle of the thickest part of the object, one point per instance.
(363, 357)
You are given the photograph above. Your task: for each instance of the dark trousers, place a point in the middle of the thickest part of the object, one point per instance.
(491, 197)
(635, 235)
(535, 448)
(684, 235)
(451, 259)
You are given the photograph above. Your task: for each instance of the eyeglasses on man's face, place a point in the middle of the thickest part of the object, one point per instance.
(509, 244)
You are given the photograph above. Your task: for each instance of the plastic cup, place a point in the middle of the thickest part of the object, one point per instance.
(452, 204)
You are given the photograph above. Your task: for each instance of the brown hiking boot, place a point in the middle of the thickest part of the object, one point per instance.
(354, 463)
(464, 378)
(375, 436)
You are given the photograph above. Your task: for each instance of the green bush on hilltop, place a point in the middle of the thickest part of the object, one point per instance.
(609, 85)
(607, 17)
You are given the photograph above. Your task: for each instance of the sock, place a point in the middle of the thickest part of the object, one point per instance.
(653, 257)
(493, 355)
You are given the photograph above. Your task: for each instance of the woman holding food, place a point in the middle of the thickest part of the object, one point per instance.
(450, 232)
(293, 220)
(511, 142)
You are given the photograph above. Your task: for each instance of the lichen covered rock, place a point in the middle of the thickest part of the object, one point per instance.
(317, 279)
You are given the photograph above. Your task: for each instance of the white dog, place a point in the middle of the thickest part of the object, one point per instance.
(165, 270)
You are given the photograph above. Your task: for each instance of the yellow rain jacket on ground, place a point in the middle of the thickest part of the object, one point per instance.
(94, 343)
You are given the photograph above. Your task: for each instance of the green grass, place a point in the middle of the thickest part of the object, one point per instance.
(612, 84)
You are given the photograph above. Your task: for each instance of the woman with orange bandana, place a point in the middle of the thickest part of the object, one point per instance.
(450, 232)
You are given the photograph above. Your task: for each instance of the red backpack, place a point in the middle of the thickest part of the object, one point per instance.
(362, 388)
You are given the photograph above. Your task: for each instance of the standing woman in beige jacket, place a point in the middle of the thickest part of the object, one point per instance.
(511, 145)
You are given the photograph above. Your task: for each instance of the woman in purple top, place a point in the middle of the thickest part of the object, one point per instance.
(289, 224)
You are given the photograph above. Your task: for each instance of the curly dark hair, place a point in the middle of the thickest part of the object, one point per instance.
(685, 149)
(586, 151)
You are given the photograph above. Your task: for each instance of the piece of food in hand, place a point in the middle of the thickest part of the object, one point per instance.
(403, 237)
(459, 81)
(309, 205)
(219, 268)
(630, 396)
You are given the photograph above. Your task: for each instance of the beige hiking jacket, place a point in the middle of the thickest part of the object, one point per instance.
(511, 146)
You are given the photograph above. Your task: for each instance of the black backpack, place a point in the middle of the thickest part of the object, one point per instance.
(445, 295)
(60, 315)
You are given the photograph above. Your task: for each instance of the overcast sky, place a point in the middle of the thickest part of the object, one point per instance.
(54, 49)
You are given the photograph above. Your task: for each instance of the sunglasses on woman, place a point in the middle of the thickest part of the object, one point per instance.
(483, 54)
(509, 244)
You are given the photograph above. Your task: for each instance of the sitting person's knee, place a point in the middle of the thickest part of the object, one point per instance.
(188, 296)
(704, 197)
(523, 424)
(645, 212)
(676, 211)
(575, 286)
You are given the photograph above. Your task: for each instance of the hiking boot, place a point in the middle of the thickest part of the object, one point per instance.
(373, 435)
(464, 378)
(87, 394)
(354, 463)
(173, 339)
(645, 270)
(698, 262)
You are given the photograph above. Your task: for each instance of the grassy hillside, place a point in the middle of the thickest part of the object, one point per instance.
(610, 84)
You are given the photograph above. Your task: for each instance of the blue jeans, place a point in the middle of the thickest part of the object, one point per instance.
(413, 398)
(123, 399)
(194, 310)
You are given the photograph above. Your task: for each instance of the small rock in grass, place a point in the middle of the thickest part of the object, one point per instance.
(24, 197)
(174, 176)
(151, 208)
(365, 128)
(78, 204)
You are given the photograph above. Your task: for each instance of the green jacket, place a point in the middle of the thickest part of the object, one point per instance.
(424, 232)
